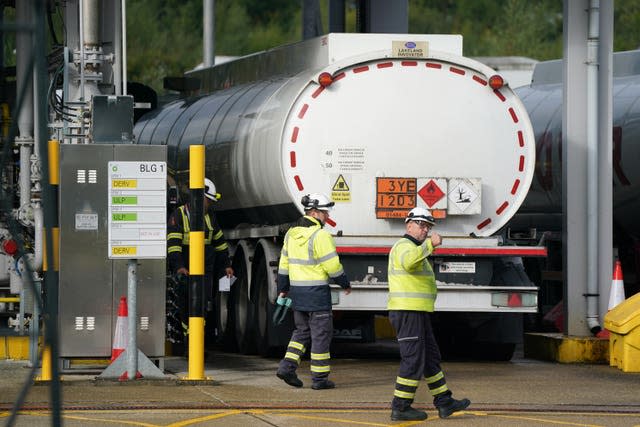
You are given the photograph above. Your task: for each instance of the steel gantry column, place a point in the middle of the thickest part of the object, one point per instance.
(587, 161)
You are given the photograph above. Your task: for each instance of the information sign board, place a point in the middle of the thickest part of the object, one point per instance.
(137, 209)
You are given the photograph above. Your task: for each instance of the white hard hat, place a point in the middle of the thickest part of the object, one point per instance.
(317, 201)
(210, 190)
(420, 214)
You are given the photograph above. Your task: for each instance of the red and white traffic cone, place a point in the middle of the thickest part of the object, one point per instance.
(616, 296)
(122, 330)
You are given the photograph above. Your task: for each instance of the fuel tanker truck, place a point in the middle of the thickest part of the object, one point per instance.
(540, 216)
(381, 123)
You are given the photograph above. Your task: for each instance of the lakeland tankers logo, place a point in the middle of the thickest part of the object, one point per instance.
(409, 49)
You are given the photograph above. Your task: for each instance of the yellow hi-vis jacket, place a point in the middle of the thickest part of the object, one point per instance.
(307, 262)
(178, 231)
(412, 284)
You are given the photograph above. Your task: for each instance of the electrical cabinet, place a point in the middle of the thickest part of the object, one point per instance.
(91, 284)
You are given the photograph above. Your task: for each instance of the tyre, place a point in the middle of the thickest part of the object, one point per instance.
(242, 312)
(263, 309)
(225, 321)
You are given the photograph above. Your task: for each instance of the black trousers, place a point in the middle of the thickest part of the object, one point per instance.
(420, 358)
(178, 308)
(315, 328)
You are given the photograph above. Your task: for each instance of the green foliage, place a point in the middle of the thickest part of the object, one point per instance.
(492, 28)
(626, 25)
(165, 36)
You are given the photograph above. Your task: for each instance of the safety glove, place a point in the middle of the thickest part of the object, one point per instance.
(282, 308)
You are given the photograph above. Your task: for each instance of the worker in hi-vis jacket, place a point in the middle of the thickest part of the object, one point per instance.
(307, 263)
(216, 258)
(412, 296)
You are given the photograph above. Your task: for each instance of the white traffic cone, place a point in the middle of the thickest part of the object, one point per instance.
(616, 296)
(122, 330)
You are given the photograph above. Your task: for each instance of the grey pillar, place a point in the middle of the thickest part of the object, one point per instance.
(336, 16)
(605, 156)
(311, 21)
(574, 167)
(383, 16)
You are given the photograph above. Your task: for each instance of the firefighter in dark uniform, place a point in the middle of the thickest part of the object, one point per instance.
(412, 296)
(216, 253)
(307, 263)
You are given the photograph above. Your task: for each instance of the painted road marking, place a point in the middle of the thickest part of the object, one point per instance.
(331, 416)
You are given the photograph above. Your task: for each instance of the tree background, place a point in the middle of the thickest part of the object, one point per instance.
(165, 36)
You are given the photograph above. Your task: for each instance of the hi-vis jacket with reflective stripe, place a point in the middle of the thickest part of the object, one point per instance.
(307, 262)
(412, 284)
(178, 241)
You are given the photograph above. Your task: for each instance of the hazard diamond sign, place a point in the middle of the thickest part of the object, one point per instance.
(340, 191)
(431, 192)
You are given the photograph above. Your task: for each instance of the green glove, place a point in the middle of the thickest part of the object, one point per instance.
(284, 301)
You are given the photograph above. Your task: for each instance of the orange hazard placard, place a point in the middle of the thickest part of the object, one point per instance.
(395, 197)
(396, 185)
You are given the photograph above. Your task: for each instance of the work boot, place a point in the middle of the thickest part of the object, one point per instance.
(290, 378)
(452, 405)
(323, 385)
(408, 414)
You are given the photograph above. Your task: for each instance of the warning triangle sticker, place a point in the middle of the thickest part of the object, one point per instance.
(340, 185)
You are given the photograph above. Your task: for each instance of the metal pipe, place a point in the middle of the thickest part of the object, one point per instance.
(24, 50)
(132, 308)
(117, 49)
(605, 149)
(592, 167)
(209, 34)
(124, 47)
(81, 32)
(91, 23)
(25, 173)
(26, 117)
(38, 231)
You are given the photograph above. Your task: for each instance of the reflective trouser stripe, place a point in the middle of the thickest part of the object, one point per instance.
(294, 351)
(404, 394)
(437, 391)
(407, 382)
(435, 378)
(320, 356)
(406, 387)
(292, 356)
(437, 384)
(320, 362)
(297, 346)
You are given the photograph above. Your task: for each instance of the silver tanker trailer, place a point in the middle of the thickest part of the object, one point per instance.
(382, 123)
(540, 216)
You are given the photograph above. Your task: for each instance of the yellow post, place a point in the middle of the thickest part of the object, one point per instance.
(196, 263)
(196, 348)
(53, 152)
(46, 371)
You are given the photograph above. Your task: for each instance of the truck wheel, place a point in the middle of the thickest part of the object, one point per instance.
(242, 309)
(263, 308)
(225, 321)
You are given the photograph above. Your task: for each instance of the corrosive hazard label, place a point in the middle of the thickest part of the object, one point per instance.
(340, 191)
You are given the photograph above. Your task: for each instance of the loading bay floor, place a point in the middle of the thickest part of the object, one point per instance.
(244, 391)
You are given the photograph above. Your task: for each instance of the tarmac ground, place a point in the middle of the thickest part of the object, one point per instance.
(244, 391)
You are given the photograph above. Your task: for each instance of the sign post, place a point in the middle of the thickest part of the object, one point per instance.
(137, 229)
